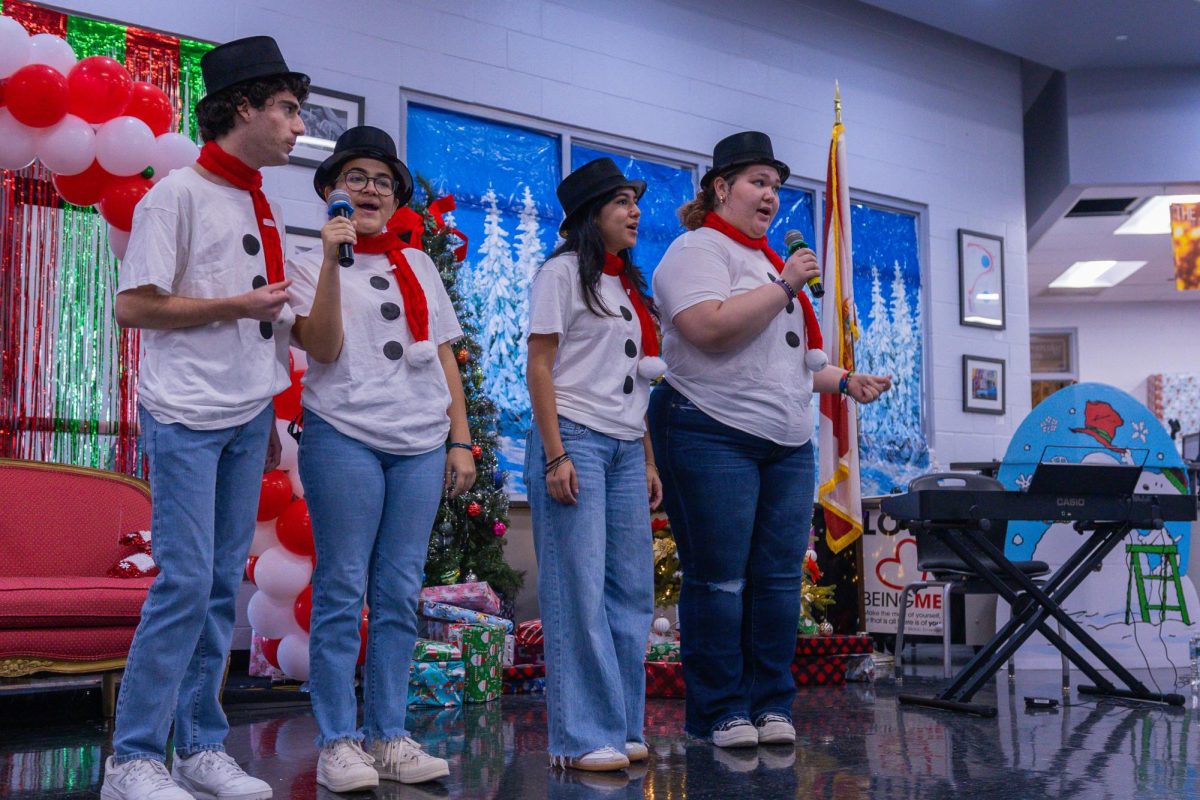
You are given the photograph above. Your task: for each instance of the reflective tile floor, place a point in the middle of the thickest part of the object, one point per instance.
(854, 742)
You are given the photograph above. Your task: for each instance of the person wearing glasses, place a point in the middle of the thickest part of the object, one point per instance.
(385, 433)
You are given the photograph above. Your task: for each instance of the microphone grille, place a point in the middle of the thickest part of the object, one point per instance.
(339, 196)
(793, 237)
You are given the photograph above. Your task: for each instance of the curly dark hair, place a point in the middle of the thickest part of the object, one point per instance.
(217, 112)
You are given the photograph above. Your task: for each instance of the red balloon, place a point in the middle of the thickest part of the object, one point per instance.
(37, 95)
(150, 104)
(86, 188)
(294, 528)
(250, 562)
(287, 402)
(270, 651)
(362, 635)
(119, 199)
(275, 495)
(303, 608)
(98, 88)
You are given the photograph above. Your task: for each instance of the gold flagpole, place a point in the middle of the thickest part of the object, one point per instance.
(837, 103)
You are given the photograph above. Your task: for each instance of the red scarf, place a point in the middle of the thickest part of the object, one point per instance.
(812, 330)
(613, 265)
(416, 307)
(234, 170)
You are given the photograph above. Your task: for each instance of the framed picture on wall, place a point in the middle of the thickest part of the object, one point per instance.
(983, 385)
(980, 280)
(327, 115)
(300, 241)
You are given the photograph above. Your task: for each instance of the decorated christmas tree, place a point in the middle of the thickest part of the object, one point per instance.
(467, 542)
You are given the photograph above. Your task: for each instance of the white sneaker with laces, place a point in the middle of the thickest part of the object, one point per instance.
(402, 759)
(603, 759)
(636, 751)
(775, 729)
(140, 779)
(214, 775)
(344, 766)
(736, 732)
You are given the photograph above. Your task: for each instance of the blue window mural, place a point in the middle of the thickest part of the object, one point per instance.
(667, 188)
(503, 179)
(795, 213)
(887, 295)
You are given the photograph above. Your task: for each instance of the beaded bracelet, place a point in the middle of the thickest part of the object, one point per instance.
(844, 383)
(463, 445)
(787, 287)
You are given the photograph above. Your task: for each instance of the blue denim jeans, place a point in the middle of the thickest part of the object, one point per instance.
(740, 509)
(371, 516)
(204, 486)
(595, 588)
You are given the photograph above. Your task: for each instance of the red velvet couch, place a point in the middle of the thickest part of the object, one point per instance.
(59, 611)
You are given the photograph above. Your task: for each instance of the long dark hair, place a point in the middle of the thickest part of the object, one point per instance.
(585, 240)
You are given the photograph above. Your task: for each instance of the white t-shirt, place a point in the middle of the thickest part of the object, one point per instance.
(194, 238)
(762, 387)
(596, 381)
(371, 393)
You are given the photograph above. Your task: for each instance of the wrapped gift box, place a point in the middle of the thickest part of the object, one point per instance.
(430, 650)
(510, 650)
(524, 672)
(259, 666)
(477, 596)
(819, 670)
(529, 686)
(663, 651)
(664, 679)
(529, 643)
(835, 645)
(482, 647)
(441, 612)
(436, 683)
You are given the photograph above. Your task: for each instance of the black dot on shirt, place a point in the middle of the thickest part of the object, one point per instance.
(393, 350)
(791, 306)
(626, 313)
(250, 245)
(389, 310)
(258, 282)
(630, 348)
(628, 387)
(379, 282)
(264, 328)
(793, 339)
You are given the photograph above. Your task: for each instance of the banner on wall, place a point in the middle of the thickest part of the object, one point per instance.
(1185, 242)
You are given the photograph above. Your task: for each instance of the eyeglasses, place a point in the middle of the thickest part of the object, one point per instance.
(358, 181)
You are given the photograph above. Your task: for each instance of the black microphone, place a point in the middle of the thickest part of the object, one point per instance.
(795, 241)
(340, 206)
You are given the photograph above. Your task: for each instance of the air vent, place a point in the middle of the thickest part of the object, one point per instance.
(1102, 207)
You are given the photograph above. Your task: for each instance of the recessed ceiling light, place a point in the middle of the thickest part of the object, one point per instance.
(1122, 37)
(1095, 274)
(1154, 215)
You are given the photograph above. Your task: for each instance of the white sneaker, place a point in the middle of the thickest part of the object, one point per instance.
(636, 751)
(345, 767)
(736, 732)
(214, 775)
(402, 759)
(604, 759)
(140, 779)
(775, 729)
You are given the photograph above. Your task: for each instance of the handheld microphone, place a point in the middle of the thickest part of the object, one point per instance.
(340, 206)
(795, 241)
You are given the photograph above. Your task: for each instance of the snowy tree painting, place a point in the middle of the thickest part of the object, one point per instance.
(503, 314)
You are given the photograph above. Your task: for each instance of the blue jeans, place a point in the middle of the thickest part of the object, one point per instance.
(595, 588)
(204, 486)
(740, 509)
(372, 513)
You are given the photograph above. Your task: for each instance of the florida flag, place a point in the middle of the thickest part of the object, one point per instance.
(839, 491)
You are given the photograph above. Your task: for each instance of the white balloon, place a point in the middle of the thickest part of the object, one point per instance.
(282, 574)
(289, 446)
(46, 48)
(297, 484)
(172, 151)
(123, 145)
(264, 537)
(68, 147)
(14, 46)
(293, 656)
(18, 143)
(271, 618)
(118, 240)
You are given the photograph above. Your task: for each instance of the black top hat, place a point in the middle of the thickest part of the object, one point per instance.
(593, 180)
(364, 141)
(242, 60)
(740, 149)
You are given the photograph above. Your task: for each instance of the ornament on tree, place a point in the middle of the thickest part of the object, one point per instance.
(463, 356)
(661, 626)
(825, 628)
(470, 577)
(667, 575)
(474, 509)
(499, 528)
(476, 451)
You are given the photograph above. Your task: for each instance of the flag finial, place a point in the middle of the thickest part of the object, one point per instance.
(837, 103)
